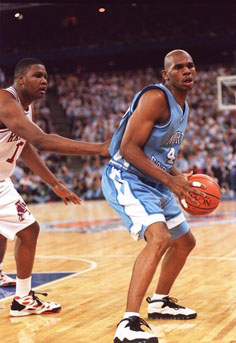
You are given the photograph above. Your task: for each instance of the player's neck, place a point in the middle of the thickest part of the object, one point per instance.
(180, 96)
(25, 102)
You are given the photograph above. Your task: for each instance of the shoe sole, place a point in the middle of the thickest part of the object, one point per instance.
(24, 314)
(12, 284)
(171, 316)
(150, 340)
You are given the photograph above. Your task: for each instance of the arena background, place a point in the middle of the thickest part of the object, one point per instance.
(96, 62)
(98, 55)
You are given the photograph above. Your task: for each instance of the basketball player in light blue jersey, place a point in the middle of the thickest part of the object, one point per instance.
(139, 182)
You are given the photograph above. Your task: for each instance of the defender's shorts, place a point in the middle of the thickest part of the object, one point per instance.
(14, 213)
(140, 204)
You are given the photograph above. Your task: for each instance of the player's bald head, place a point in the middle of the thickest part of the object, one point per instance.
(170, 58)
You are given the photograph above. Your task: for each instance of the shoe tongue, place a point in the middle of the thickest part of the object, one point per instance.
(134, 323)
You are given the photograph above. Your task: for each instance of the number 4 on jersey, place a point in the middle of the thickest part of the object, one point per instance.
(171, 156)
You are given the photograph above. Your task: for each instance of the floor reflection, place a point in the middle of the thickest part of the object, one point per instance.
(27, 328)
(161, 330)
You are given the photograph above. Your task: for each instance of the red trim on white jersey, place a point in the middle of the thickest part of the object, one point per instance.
(11, 145)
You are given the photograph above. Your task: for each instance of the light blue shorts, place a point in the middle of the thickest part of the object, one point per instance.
(140, 203)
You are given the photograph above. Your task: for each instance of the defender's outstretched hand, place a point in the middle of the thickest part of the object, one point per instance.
(66, 194)
(105, 147)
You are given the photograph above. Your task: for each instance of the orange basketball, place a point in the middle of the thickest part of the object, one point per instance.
(207, 204)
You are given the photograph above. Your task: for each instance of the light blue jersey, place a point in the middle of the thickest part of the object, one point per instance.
(138, 199)
(163, 144)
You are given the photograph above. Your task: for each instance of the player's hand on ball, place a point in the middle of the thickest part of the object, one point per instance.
(66, 194)
(183, 188)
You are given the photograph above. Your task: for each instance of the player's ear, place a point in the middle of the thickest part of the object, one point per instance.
(164, 75)
(21, 79)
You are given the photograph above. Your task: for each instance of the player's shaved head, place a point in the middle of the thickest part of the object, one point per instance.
(168, 60)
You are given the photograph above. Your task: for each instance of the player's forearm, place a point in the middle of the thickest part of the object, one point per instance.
(66, 146)
(137, 158)
(33, 162)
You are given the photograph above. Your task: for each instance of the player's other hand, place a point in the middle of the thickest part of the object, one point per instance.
(66, 194)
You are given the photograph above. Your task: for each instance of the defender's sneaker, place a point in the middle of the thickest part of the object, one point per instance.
(167, 308)
(129, 331)
(6, 281)
(30, 304)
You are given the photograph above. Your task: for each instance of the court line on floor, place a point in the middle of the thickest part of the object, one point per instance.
(115, 224)
(93, 265)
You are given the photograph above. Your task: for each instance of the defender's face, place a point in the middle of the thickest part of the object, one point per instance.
(34, 82)
(181, 72)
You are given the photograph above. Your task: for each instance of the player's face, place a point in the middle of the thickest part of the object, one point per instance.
(181, 72)
(35, 81)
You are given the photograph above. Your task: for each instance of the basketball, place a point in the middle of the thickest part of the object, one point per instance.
(206, 204)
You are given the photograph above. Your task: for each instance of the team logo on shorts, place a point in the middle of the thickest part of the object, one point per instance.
(21, 209)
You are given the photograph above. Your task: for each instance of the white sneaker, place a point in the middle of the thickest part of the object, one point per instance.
(30, 304)
(129, 331)
(167, 308)
(6, 281)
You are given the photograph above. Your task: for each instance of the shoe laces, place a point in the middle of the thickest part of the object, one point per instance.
(135, 323)
(32, 293)
(168, 301)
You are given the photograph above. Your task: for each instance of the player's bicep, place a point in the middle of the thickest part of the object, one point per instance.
(14, 118)
(147, 113)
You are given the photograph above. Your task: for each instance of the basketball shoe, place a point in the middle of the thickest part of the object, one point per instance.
(6, 281)
(129, 331)
(167, 308)
(30, 304)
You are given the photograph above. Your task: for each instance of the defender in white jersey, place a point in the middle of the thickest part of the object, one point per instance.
(139, 182)
(18, 137)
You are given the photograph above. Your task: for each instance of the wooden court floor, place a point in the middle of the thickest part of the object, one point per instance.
(93, 300)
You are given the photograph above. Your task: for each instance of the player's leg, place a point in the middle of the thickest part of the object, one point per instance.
(158, 240)
(25, 248)
(174, 261)
(26, 302)
(161, 306)
(5, 280)
(138, 207)
(17, 221)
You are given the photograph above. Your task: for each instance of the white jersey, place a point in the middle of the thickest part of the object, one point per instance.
(11, 145)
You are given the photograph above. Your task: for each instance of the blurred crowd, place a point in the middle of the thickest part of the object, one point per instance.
(93, 104)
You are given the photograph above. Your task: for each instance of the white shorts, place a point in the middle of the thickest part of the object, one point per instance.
(14, 213)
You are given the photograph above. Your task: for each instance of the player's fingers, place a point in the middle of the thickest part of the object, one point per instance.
(189, 174)
(184, 203)
(198, 184)
(198, 192)
(65, 201)
(191, 198)
(75, 199)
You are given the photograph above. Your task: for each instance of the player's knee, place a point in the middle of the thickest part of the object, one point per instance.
(186, 243)
(29, 234)
(159, 240)
(36, 229)
(192, 243)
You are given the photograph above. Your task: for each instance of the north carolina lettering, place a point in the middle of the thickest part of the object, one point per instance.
(176, 138)
(159, 164)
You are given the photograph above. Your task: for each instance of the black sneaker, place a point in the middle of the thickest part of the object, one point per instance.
(129, 331)
(167, 308)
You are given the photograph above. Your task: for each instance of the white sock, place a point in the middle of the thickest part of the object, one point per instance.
(130, 314)
(158, 296)
(23, 287)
